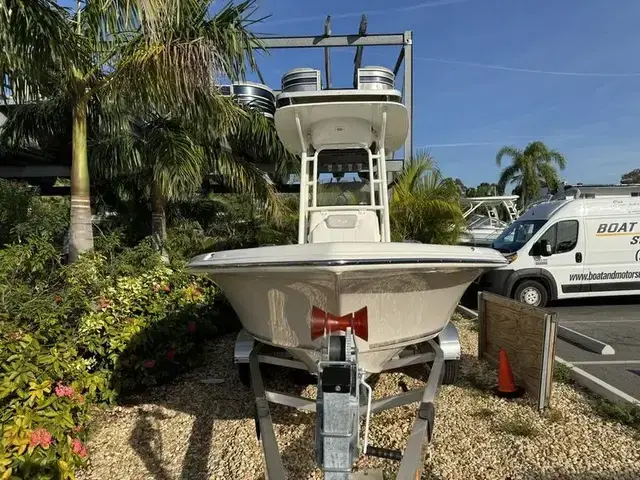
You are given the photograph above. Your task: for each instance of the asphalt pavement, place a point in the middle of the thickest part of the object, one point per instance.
(613, 320)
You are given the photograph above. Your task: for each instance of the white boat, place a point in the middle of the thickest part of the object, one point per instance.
(483, 229)
(344, 260)
(410, 291)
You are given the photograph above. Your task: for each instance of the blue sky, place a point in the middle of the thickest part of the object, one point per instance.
(494, 72)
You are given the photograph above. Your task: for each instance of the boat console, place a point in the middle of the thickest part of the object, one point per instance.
(337, 127)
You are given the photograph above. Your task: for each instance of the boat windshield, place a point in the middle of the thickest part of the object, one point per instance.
(342, 193)
(514, 237)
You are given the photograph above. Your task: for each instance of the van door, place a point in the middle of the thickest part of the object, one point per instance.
(612, 266)
(566, 239)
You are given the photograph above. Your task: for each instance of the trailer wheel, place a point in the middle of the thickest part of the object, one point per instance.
(244, 374)
(532, 293)
(451, 369)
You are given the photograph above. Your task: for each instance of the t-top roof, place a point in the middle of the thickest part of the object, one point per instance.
(332, 119)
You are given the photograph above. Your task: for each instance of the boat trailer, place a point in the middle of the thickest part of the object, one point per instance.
(344, 397)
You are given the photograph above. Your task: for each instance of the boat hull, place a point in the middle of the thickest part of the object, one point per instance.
(407, 301)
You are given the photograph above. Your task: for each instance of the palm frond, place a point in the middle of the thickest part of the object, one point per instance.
(413, 175)
(177, 162)
(425, 205)
(44, 123)
(36, 37)
(181, 58)
(558, 158)
(244, 177)
(507, 151)
(509, 174)
(255, 138)
(549, 175)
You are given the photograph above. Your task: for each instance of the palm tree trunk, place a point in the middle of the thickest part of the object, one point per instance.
(81, 228)
(158, 220)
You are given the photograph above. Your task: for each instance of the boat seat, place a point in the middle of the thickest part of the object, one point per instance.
(344, 226)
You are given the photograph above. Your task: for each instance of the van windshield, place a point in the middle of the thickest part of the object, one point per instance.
(516, 235)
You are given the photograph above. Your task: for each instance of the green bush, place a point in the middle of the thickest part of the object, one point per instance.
(81, 335)
(24, 215)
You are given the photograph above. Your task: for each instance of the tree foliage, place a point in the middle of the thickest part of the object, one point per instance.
(109, 60)
(529, 168)
(424, 205)
(630, 178)
(484, 190)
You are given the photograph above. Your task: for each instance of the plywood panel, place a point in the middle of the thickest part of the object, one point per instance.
(527, 334)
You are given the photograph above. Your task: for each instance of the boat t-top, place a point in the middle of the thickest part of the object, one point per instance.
(345, 302)
(482, 229)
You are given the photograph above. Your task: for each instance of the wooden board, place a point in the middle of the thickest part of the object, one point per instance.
(527, 334)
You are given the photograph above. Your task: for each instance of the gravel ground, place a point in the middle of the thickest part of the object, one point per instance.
(194, 430)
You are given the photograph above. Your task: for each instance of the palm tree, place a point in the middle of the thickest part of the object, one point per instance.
(424, 206)
(120, 56)
(529, 168)
(169, 160)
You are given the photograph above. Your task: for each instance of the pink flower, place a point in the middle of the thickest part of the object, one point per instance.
(171, 354)
(41, 437)
(149, 363)
(64, 391)
(191, 326)
(78, 448)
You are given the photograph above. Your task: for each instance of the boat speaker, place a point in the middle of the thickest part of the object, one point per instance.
(301, 80)
(253, 95)
(375, 78)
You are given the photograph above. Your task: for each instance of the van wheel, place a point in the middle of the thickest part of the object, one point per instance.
(532, 293)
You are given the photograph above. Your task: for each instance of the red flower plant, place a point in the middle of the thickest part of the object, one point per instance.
(40, 437)
(104, 303)
(78, 448)
(166, 288)
(80, 398)
(171, 354)
(149, 363)
(58, 299)
(64, 391)
(191, 326)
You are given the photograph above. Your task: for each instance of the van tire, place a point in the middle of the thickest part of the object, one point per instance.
(532, 293)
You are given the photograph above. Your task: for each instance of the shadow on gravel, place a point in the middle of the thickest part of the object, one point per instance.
(201, 381)
(209, 393)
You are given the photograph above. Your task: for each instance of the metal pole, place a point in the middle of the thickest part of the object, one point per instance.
(408, 91)
(357, 61)
(398, 64)
(334, 41)
(327, 52)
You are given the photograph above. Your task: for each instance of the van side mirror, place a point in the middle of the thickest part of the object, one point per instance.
(545, 248)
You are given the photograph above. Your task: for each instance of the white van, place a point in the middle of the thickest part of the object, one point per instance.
(574, 248)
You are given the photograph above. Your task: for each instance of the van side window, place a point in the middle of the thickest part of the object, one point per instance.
(566, 236)
(562, 236)
(550, 236)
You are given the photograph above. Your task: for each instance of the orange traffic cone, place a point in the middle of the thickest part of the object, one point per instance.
(507, 387)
